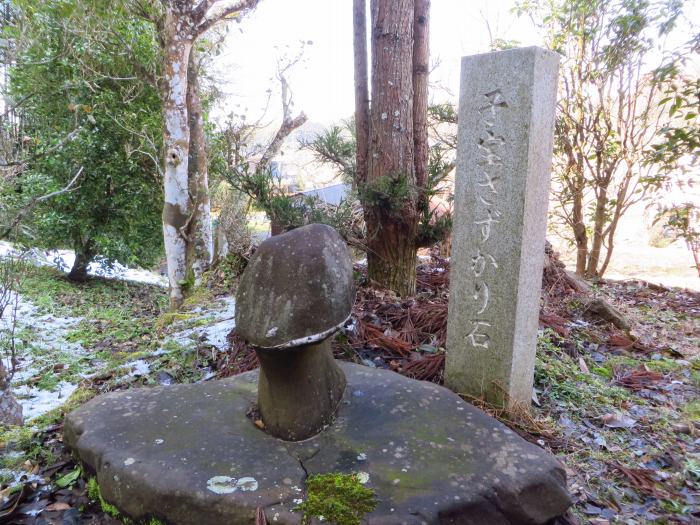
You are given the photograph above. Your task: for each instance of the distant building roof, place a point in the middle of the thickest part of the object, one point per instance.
(330, 194)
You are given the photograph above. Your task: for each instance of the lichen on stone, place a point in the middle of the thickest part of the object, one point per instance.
(227, 484)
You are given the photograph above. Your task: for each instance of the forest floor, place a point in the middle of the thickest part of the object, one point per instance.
(620, 408)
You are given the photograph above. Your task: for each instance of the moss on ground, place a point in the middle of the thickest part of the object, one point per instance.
(95, 494)
(339, 499)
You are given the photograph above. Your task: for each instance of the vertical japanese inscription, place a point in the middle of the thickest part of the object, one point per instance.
(506, 119)
(484, 266)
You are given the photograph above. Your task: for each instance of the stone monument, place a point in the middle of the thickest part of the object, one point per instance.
(506, 122)
(189, 455)
(282, 314)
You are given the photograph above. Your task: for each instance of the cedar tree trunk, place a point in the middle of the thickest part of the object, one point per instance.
(361, 90)
(390, 193)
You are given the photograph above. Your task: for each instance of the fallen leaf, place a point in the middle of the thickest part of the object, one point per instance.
(260, 516)
(642, 479)
(68, 479)
(614, 420)
(620, 341)
(59, 505)
(638, 379)
(583, 366)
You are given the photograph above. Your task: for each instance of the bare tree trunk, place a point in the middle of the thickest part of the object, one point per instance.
(178, 27)
(611, 245)
(598, 224)
(199, 237)
(83, 257)
(580, 235)
(288, 125)
(609, 233)
(359, 23)
(421, 69)
(390, 191)
(176, 209)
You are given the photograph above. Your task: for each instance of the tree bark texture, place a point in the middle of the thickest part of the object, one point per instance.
(176, 208)
(186, 220)
(580, 234)
(83, 257)
(390, 192)
(421, 70)
(199, 236)
(359, 22)
(599, 219)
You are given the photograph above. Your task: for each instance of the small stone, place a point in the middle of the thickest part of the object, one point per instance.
(288, 304)
(283, 298)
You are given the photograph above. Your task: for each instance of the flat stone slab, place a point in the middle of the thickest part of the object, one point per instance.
(188, 454)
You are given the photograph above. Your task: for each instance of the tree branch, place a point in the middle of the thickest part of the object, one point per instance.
(36, 200)
(237, 10)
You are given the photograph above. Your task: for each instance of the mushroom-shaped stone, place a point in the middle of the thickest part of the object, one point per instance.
(295, 293)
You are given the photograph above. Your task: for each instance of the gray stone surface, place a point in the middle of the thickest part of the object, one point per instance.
(298, 284)
(506, 119)
(189, 455)
(295, 292)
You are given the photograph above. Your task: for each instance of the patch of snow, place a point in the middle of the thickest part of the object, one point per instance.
(221, 484)
(36, 402)
(247, 484)
(64, 259)
(220, 321)
(48, 341)
(20, 476)
(227, 484)
(140, 367)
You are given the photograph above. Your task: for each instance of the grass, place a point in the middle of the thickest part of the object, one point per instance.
(28, 441)
(115, 312)
(577, 402)
(560, 375)
(691, 411)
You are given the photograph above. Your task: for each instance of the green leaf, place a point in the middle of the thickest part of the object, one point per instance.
(68, 479)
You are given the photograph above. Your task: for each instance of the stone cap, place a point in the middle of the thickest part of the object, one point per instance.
(297, 289)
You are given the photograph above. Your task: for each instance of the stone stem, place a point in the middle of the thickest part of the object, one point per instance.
(299, 389)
